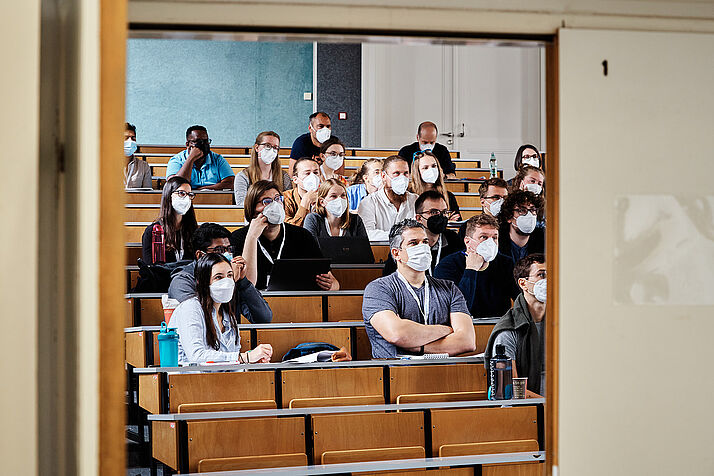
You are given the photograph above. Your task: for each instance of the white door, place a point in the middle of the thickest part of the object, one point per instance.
(497, 101)
(403, 85)
(483, 98)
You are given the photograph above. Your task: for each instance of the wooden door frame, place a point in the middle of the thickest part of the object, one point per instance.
(114, 32)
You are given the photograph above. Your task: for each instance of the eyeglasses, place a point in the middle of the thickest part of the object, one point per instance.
(184, 194)
(433, 212)
(276, 148)
(526, 156)
(495, 197)
(335, 154)
(540, 275)
(220, 249)
(522, 211)
(268, 201)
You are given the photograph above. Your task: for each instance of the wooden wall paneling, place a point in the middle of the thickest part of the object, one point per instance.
(483, 332)
(405, 380)
(342, 382)
(356, 278)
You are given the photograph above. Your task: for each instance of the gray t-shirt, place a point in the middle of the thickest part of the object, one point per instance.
(510, 341)
(391, 294)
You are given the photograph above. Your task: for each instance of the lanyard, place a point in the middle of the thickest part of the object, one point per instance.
(438, 252)
(425, 311)
(267, 255)
(329, 233)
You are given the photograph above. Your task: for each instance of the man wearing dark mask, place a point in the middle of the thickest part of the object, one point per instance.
(432, 212)
(205, 169)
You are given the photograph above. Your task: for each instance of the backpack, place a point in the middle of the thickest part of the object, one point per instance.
(308, 348)
(155, 278)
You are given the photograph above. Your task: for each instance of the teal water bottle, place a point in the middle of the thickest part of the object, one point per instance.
(493, 165)
(168, 346)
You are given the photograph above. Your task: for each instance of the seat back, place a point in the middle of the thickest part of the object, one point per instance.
(283, 340)
(342, 382)
(415, 379)
(220, 387)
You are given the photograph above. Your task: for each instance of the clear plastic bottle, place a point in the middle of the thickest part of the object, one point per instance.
(493, 165)
(501, 384)
(158, 248)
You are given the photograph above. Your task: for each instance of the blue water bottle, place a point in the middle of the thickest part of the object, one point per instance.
(168, 346)
(501, 375)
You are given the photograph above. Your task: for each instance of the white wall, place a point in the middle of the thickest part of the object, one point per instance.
(635, 387)
(19, 87)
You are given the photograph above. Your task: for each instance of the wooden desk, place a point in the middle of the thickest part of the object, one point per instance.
(216, 197)
(204, 213)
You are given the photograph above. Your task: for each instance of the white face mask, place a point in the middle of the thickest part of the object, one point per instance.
(400, 184)
(334, 162)
(336, 207)
(419, 257)
(129, 147)
(267, 155)
(426, 146)
(181, 205)
(311, 183)
(275, 213)
(377, 181)
(323, 134)
(222, 290)
(534, 187)
(430, 175)
(495, 207)
(540, 290)
(531, 162)
(488, 249)
(526, 223)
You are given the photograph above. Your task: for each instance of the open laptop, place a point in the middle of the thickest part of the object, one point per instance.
(297, 274)
(347, 249)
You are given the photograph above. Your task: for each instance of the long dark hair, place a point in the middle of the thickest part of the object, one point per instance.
(176, 236)
(202, 273)
(517, 163)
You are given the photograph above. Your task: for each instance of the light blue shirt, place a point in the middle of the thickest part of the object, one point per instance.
(214, 169)
(188, 321)
(356, 193)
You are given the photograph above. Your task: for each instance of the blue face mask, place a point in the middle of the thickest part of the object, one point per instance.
(228, 255)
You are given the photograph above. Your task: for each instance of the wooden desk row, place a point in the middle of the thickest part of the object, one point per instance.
(230, 440)
(170, 150)
(141, 344)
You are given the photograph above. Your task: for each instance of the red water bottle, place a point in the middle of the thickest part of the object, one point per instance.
(158, 248)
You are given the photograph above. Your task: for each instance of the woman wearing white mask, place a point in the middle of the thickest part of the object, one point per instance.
(264, 165)
(268, 237)
(302, 198)
(178, 220)
(367, 180)
(427, 175)
(527, 154)
(519, 234)
(206, 324)
(530, 178)
(137, 173)
(332, 156)
(332, 216)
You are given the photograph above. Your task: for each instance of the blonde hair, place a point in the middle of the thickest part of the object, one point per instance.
(276, 170)
(359, 176)
(417, 184)
(322, 193)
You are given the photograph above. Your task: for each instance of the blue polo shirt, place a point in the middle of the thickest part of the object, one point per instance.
(214, 169)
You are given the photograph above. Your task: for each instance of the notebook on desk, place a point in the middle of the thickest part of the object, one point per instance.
(297, 274)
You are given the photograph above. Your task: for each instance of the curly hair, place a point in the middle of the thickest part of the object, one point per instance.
(518, 198)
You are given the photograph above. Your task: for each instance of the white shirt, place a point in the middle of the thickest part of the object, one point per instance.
(379, 214)
(188, 321)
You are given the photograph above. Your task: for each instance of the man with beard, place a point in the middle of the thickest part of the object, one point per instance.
(391, 203)
(205, 169)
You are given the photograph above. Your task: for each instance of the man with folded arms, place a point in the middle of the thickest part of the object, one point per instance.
(409, 312)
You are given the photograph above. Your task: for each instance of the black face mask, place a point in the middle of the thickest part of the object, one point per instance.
(437, 224)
